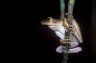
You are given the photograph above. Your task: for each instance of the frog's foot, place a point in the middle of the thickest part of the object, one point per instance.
(59, 49)
(75, 50)
(71, 28)
(64, 51)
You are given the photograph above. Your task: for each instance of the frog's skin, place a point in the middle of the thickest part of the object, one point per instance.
(59, 29)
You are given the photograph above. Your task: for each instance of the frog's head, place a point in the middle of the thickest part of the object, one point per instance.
(52, 23)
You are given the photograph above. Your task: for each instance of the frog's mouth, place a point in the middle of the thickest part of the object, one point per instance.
(52, 26)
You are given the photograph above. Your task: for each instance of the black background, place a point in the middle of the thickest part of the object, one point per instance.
(29, 41)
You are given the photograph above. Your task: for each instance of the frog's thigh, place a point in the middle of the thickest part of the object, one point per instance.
(75, 50)
(74, 44)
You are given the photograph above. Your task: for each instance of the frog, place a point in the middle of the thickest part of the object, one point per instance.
(59, 27)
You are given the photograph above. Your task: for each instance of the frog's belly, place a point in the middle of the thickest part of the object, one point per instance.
(60, 35)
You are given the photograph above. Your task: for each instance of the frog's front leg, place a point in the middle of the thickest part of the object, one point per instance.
(65, 41)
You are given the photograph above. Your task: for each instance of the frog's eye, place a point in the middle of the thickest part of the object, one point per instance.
(49, 17)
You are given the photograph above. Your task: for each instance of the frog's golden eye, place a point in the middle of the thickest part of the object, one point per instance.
(49, 18)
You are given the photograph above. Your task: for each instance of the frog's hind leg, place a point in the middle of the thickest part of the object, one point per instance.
(75, 50)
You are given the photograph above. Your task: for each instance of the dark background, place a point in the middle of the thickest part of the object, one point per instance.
(29, 41)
